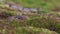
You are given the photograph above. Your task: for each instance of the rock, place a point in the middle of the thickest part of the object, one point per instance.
(26, 9)
(33, 9)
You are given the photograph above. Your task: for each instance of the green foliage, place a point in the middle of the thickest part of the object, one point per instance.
(31, 3)
(43, 11)
(44, 22)
(58, 15)
(6, 14)
(49, 4)
(9, 13)
(1, 3)
(21, 30)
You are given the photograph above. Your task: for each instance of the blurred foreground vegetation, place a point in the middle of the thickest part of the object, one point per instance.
(42, 22)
